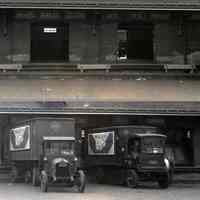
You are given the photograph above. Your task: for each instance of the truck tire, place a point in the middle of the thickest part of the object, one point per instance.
(164, 181)
(80, 181)
(27, 176)
(44, 182)
(171, 175)
(14, 174)
(35, 176)
(100, 175)
(131, 179)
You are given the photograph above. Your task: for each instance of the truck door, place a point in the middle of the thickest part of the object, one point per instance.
(134, 148)
(152, 151)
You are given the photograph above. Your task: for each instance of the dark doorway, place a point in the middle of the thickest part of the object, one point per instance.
(138, 41)
(49, 42)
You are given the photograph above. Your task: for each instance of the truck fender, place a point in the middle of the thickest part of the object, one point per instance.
(43, 173)
(167, 163)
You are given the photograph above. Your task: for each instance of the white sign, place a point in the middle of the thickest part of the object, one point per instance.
(20, 138)
(101, 143)
(50, 30)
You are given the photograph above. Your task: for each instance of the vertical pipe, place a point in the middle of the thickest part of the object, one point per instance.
(185, 28)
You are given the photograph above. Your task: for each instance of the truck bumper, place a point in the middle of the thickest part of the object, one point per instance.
(158, 170)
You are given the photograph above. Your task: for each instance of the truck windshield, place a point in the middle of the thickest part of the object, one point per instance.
(59, 147)
(153, 145)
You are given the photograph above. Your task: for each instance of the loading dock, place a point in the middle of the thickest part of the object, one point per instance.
(49, 42)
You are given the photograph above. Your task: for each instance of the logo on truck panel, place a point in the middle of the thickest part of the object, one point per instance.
(20, 138)
(101, 143)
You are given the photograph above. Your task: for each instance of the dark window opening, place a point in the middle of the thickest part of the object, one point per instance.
(49, 42)
(135, 41)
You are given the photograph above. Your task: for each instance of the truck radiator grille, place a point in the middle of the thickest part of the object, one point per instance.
(62, 171)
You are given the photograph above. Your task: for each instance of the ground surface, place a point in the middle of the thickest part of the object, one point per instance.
(147, 191)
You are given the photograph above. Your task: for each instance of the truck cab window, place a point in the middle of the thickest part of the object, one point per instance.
(63, 147)
(153, 145)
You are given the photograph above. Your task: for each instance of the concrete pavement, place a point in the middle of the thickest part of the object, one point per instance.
(150, 191)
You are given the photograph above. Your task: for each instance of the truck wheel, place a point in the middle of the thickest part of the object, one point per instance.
(27, 177)
(14, 174)
(100, 175)
(44, 182)
(81, 181)
(164, 181)
(131, 179)
(35, 176)
(171, 174)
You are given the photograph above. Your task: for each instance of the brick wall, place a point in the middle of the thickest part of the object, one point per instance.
(21, 42)
(97, 43)
(92, 44)
(196, 142)
(77, 42)
(108, 45)
(5, 41)
(168, 43)
(194, 43)
(15, 45)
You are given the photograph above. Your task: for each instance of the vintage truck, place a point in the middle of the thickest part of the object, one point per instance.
(46, 151)
(127, 154)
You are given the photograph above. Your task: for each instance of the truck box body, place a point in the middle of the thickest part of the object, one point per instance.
(26, 137)
(108, 146)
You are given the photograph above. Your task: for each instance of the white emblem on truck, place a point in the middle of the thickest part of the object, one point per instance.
(101, 143)
(20, 138)
(19, 135)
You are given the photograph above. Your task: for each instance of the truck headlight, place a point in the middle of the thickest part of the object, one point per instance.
(45, 158)
(167, 163)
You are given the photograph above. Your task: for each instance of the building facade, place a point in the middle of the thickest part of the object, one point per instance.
(128, 60)
(99, 37)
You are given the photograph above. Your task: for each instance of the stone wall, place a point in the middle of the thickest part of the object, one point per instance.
(196, 142)
(168, 43)
(193, 43)
(97, 43)
(15, 44)
(5, 41)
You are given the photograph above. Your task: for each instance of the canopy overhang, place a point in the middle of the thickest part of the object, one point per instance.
(103, 108)
(112, 96)
(192, 5)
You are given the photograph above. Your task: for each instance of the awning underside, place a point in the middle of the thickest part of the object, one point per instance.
(82, 95)
(138, 89)
(104, 4)
(113, 108)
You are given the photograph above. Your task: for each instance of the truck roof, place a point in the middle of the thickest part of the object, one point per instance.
(150, 134)
(128, 126)
(44, 118)
(58, 138)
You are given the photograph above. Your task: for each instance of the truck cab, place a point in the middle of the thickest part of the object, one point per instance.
(127, 155)
(146, 159)
(60, 164)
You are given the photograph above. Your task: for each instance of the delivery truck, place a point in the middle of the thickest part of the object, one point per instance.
(127, 154)
(46, 151)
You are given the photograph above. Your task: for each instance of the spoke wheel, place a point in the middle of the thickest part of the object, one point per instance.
(35, 176)
(80, 181)
(131, 179)
(14, 174)
(27, 177)
(44, 183)
(164, 181)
